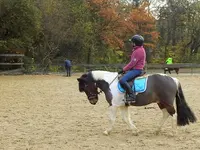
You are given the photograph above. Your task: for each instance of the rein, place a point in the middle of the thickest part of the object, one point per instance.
(109, 83)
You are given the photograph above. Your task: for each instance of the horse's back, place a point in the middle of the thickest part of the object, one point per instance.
(160, 87)
(163, 84)
(163, 80)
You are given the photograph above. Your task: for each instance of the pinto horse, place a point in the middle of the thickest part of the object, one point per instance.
(160, 89)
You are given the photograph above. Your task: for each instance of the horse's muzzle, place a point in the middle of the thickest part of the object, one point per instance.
(93, 99)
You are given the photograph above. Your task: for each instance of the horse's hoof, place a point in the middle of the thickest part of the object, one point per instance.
(106, 132)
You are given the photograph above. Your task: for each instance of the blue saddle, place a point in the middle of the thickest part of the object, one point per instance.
(140, 85)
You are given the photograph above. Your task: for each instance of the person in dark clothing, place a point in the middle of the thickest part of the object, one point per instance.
(68, 66)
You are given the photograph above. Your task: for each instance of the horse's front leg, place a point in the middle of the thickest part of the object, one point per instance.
(127, 119)
(112, 111)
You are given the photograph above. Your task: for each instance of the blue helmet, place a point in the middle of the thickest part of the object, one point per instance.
(138, 40)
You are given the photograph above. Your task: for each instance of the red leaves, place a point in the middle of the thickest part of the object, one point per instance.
(119, 21)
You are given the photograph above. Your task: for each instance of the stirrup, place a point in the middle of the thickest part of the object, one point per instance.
(130, 99)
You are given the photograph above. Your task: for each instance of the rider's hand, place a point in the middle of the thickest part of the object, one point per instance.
(121, 71)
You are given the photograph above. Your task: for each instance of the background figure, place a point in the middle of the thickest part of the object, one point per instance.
(68, 66)
(169, 61)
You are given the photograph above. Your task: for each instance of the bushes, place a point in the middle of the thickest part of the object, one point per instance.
(54, 68)
(29, 65)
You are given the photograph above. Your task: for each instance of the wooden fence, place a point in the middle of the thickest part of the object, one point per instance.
(6, 56)
(11, 61)
(185, 67)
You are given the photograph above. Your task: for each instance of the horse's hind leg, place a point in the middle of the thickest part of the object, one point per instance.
(112, 117)
(171, 111)
(177, 70)
(174, 126)
(127, 119)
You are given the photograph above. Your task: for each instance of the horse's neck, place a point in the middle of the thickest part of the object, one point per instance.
(110, 77)
(105, 75)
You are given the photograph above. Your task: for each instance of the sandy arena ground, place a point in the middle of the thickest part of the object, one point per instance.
(47, 112)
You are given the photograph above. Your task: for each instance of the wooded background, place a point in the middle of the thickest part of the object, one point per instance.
(98, 31)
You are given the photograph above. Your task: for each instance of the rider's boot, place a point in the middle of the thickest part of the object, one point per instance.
(131, 97)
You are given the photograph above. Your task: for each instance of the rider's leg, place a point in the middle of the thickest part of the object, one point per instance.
(131, 94)
(130, 75)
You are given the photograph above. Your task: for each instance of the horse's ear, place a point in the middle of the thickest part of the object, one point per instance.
(81, 80)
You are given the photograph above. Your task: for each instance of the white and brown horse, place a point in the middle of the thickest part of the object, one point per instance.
(160, 89)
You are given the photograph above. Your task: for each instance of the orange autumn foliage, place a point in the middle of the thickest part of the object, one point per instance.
(119, 21)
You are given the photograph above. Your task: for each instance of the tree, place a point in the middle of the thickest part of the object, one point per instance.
(179, 29)
(118, 21)
(19, 25)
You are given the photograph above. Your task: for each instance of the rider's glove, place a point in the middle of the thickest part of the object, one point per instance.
(121, 71)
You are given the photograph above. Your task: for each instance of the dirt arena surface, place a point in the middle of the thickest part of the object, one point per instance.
(47, 112)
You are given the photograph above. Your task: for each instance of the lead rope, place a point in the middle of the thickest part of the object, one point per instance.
(109, 83)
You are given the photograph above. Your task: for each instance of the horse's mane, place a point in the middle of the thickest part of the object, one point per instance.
(103, 75)
(103, 80)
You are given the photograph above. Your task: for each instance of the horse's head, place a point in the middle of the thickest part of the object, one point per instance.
(87, 85)
(90, 82)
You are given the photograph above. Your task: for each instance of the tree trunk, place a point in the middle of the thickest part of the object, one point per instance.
(89, 56)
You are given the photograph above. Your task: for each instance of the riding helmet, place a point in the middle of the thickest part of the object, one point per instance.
(138, 40)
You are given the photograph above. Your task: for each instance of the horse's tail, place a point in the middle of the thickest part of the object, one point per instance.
(184, 114)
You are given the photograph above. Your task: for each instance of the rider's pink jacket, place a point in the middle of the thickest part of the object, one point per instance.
(138, 58)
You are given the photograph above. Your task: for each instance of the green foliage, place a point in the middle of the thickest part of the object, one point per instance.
(78, 69)
(20, 23)
(29, 65)
(158, 61)
(55, 68)
(111, 56)
(178, 24)
(96, 31)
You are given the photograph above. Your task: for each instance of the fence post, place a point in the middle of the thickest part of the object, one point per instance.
(191, 69)
(84, 67)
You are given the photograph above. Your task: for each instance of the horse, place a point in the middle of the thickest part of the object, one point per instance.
(160, 88)
(171, 69)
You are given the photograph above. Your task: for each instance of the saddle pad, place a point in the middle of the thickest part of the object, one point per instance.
(140, 85)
